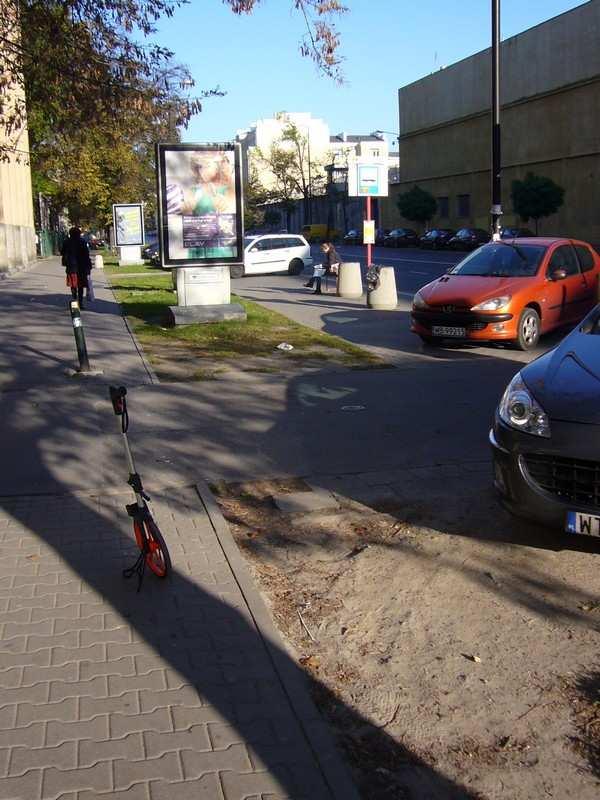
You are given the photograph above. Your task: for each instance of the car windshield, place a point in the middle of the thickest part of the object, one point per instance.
(501, 260)
(249, 239)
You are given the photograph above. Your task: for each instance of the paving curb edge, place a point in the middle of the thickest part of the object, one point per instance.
(335, 772)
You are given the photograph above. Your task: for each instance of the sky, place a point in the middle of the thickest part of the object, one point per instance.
(386, 44)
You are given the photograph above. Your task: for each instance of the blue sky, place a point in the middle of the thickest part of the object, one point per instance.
(386, 44)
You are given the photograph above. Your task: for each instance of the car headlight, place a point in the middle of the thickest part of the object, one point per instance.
(519, 409)
(418, 301)
(494, 304)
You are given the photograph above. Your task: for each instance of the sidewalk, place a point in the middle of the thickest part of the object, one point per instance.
(183, 690)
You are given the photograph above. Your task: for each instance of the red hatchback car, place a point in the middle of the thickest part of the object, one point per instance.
(510, 291)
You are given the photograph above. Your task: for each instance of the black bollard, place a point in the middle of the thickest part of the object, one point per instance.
(82, 354)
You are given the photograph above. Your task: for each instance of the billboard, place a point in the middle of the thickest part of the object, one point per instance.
(367, 178)
(199, 204)
(128, 222)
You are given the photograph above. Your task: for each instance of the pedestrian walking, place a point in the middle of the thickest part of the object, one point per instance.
(77, 263)
(329, 266)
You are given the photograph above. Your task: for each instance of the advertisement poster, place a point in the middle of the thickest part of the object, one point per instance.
(128, 221)
(369, 231)
(200, 204)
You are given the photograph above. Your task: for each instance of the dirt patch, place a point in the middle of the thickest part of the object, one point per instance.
(450, 648)
(174, 364)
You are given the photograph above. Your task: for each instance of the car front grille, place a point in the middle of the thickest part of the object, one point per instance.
(570, 479)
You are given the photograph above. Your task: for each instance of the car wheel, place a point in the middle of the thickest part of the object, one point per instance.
(528, 330)
(296, 266)
(237, 271)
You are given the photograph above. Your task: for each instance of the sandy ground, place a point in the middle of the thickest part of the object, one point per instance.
(467, 640)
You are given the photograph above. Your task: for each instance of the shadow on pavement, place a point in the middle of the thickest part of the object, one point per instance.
(208, 643)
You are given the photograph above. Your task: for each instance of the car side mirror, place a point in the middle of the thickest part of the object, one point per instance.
(558, 275)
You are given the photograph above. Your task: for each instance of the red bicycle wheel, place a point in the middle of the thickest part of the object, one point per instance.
(157, 557)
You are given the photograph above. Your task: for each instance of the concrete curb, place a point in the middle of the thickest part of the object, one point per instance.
(318, 736)
(144, 358)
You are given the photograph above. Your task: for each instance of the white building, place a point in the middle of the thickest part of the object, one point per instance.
(324, 148)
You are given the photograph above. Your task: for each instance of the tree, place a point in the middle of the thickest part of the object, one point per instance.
(321, 41)
(536, 197)
(291, 172)
(255, 197)
(417, 205)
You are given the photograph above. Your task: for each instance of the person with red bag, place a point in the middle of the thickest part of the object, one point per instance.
(77, 263)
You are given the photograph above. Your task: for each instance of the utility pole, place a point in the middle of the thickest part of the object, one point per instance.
(496, 210)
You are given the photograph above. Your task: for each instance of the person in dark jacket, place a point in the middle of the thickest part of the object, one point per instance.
(329, 266)
(77, 263)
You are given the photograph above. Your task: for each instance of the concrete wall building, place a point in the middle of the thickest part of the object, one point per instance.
(550, 97)
(17, 232)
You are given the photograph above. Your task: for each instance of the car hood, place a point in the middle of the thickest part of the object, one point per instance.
(466, 291)
(566, 381)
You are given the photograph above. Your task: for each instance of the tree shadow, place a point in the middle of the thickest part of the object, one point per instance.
(194, 626)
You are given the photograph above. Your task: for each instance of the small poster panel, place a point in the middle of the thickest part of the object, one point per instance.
(369, 231)
(128, 222)
(200, 204)
(367, 178)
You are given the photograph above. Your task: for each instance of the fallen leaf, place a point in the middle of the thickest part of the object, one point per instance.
(312, 662)
(469, 657)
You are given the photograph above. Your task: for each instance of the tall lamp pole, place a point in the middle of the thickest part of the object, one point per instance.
(496, 210)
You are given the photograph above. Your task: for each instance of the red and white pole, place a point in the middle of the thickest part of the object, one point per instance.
(369, 251)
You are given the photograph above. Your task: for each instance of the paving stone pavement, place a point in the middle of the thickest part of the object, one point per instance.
(106, 692)
(183, 690)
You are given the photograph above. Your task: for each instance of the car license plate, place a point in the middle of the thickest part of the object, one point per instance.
(444, 330)
(587, 524)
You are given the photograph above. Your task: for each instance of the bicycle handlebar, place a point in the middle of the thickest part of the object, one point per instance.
(119, 404)
(117, 398)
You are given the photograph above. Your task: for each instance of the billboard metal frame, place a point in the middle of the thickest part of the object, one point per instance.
(163, 223)
(140, 207)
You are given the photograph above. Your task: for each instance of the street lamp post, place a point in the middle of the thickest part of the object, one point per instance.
(496, 210)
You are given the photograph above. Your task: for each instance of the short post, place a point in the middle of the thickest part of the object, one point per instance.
(98, 261)
(82, 354)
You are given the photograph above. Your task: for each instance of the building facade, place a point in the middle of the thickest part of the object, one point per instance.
(550, 98)
(17, 232)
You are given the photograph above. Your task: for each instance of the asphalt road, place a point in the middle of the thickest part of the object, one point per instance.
(413, 267)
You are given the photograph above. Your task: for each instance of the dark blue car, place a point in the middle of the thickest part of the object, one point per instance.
(546, 435)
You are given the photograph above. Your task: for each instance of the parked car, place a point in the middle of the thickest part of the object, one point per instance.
(509, 292)
(546, 435)
(516, 233)
(401, 237)
(469, 239)
(150, 249)
(273, 253)
(380, 235)
(353, 237)
(436, 238)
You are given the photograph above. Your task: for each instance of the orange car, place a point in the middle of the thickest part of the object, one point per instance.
(509, 291)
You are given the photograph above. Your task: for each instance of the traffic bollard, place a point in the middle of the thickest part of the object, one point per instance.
(82, 354)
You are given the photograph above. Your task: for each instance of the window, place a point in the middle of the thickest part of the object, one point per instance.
(294, 242)
(443, 207)
(464, 205)
(375, 153)
(563, 258)
(586, 259)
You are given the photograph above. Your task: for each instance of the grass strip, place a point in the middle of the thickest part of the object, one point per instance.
(145, 300)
